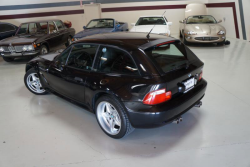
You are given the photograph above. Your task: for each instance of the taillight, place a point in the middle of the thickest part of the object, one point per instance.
(156, 97)
(200, 76)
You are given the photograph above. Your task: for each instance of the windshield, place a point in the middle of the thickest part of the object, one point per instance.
(151, 21)
(201, 20)
(168, 57)
(102, 23)
(33, 28)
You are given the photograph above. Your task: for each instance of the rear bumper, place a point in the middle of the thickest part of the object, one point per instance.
(19, 54)
(144, 116)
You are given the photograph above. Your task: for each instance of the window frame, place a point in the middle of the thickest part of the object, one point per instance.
(115, 73)
(57, 26)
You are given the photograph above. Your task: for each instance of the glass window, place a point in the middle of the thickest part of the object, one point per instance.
(203, 19)
(112, 60)
(62, 58)
(168, 56)
(59, 25)
(23, 29)
(6, 27)
(82, 56)
(101, 23)
(52, 27)
(151, 21)
(32, 28)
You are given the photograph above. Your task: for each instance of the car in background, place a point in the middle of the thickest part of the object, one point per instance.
(202, 29)
(146, 23)
(98, 26)
(33, 38)
(7, 30)
(127, 80)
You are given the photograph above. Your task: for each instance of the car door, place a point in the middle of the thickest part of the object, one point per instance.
(63, 31)
(54, 73)
(55, 37)
(114, 71)
(79, 65)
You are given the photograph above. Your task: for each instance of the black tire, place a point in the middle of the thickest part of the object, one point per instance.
(185, 41)
(8, 59)
(181, 35)
(69, 41)
(44, 50)
(221, 43)
(28, 73)
(126, 127)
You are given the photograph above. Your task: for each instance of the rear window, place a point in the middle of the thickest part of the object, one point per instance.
(169, 57)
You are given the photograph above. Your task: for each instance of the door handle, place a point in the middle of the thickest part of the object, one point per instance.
(78, 79)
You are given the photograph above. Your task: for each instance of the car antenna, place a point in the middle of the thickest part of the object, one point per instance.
(154, 26)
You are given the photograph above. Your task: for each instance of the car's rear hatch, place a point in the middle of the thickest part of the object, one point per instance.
(180, 70)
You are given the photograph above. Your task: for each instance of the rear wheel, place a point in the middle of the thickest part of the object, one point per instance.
(32, 82)
(112, 117)
(8, 59)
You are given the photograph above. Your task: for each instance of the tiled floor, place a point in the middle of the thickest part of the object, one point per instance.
(47, 131)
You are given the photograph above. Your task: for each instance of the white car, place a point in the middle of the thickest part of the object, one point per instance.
(146, 23)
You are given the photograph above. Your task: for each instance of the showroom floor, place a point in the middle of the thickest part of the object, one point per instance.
(47, 131)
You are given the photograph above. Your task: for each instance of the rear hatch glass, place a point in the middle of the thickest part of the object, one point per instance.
(170, 56)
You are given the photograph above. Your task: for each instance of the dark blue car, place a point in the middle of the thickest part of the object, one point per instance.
(98, 26)
(7, 30)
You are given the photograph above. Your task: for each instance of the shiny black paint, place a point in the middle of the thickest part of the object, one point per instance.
(85, 86)
(7, 34)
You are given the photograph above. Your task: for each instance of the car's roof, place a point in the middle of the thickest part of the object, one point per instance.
(153, 16)
(38, 21)
(127, 40)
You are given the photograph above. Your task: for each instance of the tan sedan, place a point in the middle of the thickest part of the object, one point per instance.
(202, 29)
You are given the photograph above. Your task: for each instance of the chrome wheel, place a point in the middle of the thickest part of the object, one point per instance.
(108, 117)
(34, 84)
(44, 50)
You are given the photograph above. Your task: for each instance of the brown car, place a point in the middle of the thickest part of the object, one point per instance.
(33, 38)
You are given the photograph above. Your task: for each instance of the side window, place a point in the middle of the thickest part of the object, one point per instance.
(61, 59)
(82, 56)
(112, 60)
(23, 29)
(52, 27)
(59, 25)
(32, 28)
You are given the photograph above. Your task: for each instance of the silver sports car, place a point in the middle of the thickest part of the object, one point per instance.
(202, 29)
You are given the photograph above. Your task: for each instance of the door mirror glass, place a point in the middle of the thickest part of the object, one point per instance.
(170, 23)
(219, 21)
(118, 25)
(84, 27)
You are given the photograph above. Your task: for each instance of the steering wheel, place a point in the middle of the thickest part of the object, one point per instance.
(82, 60)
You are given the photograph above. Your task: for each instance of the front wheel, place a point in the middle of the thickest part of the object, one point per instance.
(221, 43)
(44, 50)
(8, 59)
(32, 82)
(112, 117)
(69, 41)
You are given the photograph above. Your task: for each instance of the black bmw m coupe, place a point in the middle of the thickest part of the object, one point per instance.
(127, 79)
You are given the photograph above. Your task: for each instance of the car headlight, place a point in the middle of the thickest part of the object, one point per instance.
(192, 33)
(28, 48)
(221, 32)
(1, 49)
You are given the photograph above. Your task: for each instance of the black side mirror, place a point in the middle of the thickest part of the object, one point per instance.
(84, 27)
